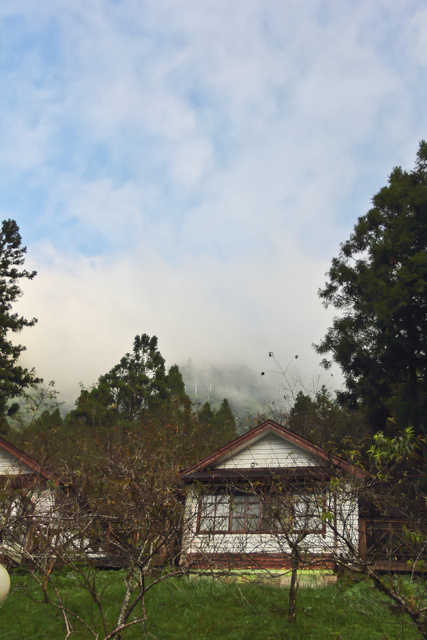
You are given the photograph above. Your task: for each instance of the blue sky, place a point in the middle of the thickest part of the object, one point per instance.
(188, 169)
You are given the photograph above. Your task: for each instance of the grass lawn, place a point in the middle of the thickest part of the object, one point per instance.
(181, 609)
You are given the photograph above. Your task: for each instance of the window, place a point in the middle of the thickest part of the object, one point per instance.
(214, 512)
(308, 513)
(247, 513)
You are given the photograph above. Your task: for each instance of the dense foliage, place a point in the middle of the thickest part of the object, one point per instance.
(378, 283)
(137, 403)
(321, 419)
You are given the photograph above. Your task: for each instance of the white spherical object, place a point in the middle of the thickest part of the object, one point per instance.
(4, 583)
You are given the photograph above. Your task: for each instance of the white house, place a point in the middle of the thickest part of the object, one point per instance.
(267, 495)
(27, 495)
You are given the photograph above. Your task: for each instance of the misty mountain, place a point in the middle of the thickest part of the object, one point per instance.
(246, 390)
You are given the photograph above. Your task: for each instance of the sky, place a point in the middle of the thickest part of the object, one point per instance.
(188, 169)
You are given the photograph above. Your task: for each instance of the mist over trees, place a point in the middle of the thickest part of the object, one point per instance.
(137, 400)
(378, 286)
(245, 391)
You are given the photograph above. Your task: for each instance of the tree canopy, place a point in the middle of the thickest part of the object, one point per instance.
(378, 283)
(138, 394)
(321, 419)
(135, 387)
(13, 377)
(221, 423)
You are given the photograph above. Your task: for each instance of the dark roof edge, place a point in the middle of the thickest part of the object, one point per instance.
(23, 457)
(290, 435)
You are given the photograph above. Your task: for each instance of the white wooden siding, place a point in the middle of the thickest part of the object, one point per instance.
(345, 526)
(10, 465)
(270, 451)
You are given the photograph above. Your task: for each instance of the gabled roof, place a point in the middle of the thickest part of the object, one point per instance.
(24, 459)
(255, 434)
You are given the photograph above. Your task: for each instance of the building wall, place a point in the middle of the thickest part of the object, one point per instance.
(270, 451)
(342, 526)
(10, 465)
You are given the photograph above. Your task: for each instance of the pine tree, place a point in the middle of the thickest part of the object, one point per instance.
(225, 422)
(379, 284)
(135, 389)
(13, 377)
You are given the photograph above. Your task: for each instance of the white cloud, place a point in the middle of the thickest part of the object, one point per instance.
(196, 166)
(89, 310)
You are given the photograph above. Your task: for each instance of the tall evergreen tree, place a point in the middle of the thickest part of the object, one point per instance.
(225, 422)
(379, 284)
(322, 420)
(13, 377)
(219, 426)
(138, 381)
(206, 415)
(135, 388)
(176, 386)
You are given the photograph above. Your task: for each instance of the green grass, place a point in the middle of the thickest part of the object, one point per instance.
(206, 609)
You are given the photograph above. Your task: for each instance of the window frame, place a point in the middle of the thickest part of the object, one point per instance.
(247, 514)
(308, 498)
(261, 514)
(203, 513)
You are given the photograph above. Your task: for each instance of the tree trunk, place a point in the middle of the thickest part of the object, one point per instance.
(292, 610)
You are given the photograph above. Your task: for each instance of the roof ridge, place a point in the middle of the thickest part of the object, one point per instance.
(284, 432)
